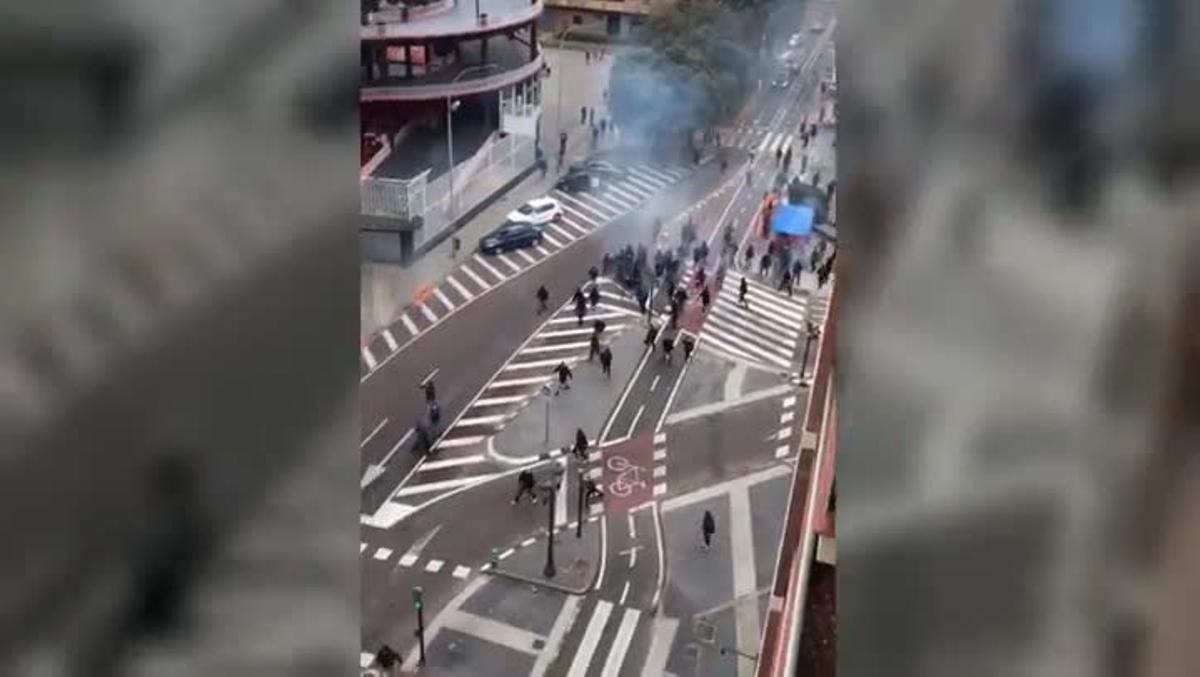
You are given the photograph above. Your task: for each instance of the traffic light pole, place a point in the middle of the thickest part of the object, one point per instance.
(420, 605)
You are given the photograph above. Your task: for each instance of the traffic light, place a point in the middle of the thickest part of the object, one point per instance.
(416, 594)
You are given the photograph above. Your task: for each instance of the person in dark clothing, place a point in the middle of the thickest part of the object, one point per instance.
(829, 190)
(577, 297)
(689, 344)
(606, 361)
(797, 268)
(708, 527)
(583, 115)
(668, 345)
(705, 299)
(564, 375)
(764, 265)
(581, 444)
(525, 485)
(651, 336)
(593, 346)
(590, 490)
(749, 256)
(593, 273)
(423, 443)
(594, 296)
(742, 289)
(543, 297)
(701, 278)
(771, 247)
(778, 155)
(598, 327)
(680, 297)
(642, 297)
(580, 311)
(786, 282)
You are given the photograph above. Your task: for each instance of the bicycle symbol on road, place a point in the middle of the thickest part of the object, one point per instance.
(629, 476)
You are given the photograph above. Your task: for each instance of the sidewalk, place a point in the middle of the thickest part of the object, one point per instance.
(387, 289)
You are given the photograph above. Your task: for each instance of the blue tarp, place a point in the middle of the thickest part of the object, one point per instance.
(792, 220)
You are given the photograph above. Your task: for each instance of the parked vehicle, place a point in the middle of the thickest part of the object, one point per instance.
(783, 80)
(510, 236)
(602, 169)
(537, 211)
(578, 181)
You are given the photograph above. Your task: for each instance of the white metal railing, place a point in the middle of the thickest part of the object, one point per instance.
(415, 13)
(423, 29)
(442, 90)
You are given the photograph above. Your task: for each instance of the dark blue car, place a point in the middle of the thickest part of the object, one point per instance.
(510, 236)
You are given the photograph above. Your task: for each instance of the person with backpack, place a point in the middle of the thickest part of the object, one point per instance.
(543, 297)
(525, 486)
(564, 375)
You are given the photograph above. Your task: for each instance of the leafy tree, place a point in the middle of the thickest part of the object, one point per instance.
(690, 74)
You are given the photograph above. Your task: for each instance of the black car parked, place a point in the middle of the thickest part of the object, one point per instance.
(510, 236)
(577, 181)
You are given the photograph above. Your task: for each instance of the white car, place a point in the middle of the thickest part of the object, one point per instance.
(794, 41)
(537, 211)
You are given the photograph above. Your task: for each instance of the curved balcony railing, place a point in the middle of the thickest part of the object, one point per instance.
(402, 14)
(495, 16)
(443, 87)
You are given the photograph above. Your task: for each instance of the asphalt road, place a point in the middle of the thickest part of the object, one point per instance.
(447, 543)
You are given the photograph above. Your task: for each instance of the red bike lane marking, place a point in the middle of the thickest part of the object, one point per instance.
(626, 473)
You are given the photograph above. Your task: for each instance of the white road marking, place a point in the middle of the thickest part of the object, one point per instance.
(741, 545)
(540, 363)
(784, 433)
(368, 357)
(525, 255)
(512, 382)
(660, 454)
(596, 214)
(789, 401)
(591, 638)
(528, 542)
(660, 647)
(564, 234)
(452, 462)
(633, 198)
(390, 340)
(373, 433)
(458, 286)
(787, 416)
(660, 437)
(437, 291)
(620, 647)
(660, 489)
(506, 554)
(409, 324)
(445, 484)
(508, 262)
(434, 566)
(428, 313)
(488, 267)
(624, 593)
(782, 451)
(461, 572)
(654, 383)
(475, 277)
(543, 251)
(452, 442)
(480, 420)
(554, 348)
(383, 553)
(408, 560)
(494, 631)
(361, 547)
(582, 230)
(659, 471)
(714, 490)
(636, 417)
(498, 401)
(562, 624)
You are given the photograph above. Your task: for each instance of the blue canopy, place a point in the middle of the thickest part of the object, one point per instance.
(794, 220)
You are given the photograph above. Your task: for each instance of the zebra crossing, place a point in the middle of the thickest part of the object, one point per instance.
(765, 330)
(478, 274)
(464, 455)
(603, 635)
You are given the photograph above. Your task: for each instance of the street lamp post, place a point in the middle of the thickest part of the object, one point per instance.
(451, 201)
(552, 494)
(579, 506)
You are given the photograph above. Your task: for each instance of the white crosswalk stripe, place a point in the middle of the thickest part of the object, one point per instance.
(390, 340)
(599, 206)
(543, 251)
(429, 315)
(578, 228)
(443, 298)
(551, 238)
(523, 254)
(642, 182)
(577, 209)
(368, 357)
(628, 195)
(641, 191)
(474, 277)
(458, 286)
(646, 169)
(766, 332)
(409, 324)
(508, 262)
(488, 267)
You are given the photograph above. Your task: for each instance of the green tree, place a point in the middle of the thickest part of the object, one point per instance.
(690, 73)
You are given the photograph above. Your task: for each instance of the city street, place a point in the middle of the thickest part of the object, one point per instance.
(546, 578)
